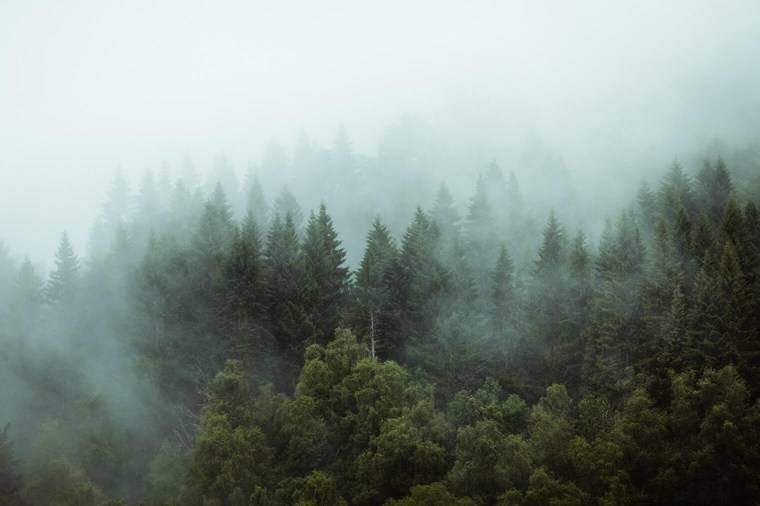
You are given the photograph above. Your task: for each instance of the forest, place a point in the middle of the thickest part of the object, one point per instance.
(215, 347)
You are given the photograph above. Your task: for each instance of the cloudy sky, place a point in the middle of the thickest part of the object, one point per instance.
(89, 86)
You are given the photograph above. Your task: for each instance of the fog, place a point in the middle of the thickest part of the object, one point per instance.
(485, 238)
(615, 89)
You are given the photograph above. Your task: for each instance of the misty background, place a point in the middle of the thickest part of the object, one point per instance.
(609, 92)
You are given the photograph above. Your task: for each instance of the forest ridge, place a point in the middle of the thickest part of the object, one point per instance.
(212, 353)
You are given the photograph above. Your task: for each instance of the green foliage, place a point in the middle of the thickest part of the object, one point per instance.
(446, 371)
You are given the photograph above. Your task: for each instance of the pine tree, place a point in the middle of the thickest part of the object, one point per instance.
(579, 300)
(678, 353)
(702, 239)
(326, 277)
(222, 175)
(417, 282)
(256, 204)
(704, 318)
(752, 223)
(503, 299)
(676, 193)
(285, 204)
(63, 281)
(733, 298)
(480, 234)
(240, 299)
(372, 294)
(285, 295)
(751, 345)
(548, 293)
(715, 187)
(212, 238)
(445, 215)
(617, 327)
(734, 229)
(647, 202)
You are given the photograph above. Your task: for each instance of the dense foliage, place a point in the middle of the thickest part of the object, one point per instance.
(234, 358)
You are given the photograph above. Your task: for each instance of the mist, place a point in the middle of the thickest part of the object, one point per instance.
(614, 90)
(511, 212)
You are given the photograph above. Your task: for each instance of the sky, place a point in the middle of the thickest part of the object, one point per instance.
(87, 87)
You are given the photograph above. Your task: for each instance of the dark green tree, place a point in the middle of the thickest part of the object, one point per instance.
(326, 276)
(372, 296)
(285, 293)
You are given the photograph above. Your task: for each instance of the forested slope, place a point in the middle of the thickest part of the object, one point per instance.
(214, 352)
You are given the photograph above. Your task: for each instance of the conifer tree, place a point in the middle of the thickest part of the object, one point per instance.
(326, 277)
(734, 229)
(211, 240)
(445, 215)
(647, 203)
(372, 294)
(240, 298)
(548, 292)
(63, 281)
(480, 233)
(286, 203)
(702, 239)
(417, 282)
(579, 299)
(285, 293)
(677, 352)
(617, 327)
(676, 193)
(503, 299)
(256, 204)
(714, 188)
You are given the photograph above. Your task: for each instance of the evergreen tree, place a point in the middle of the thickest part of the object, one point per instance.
(480, 227)
(240, 299)
(63, 281)
(579, 300)
(285, 293)
(256, 204)
(417, 282)
(372, 294)
(677, 352)
(548, 292)
(702, 238)
(503, 299)
(326, 277)
(445, 215)
(647, 202)
(285, 204)
(734, 230)
(617, 327)
(676, 193)
(714, 188)
(211, 240)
